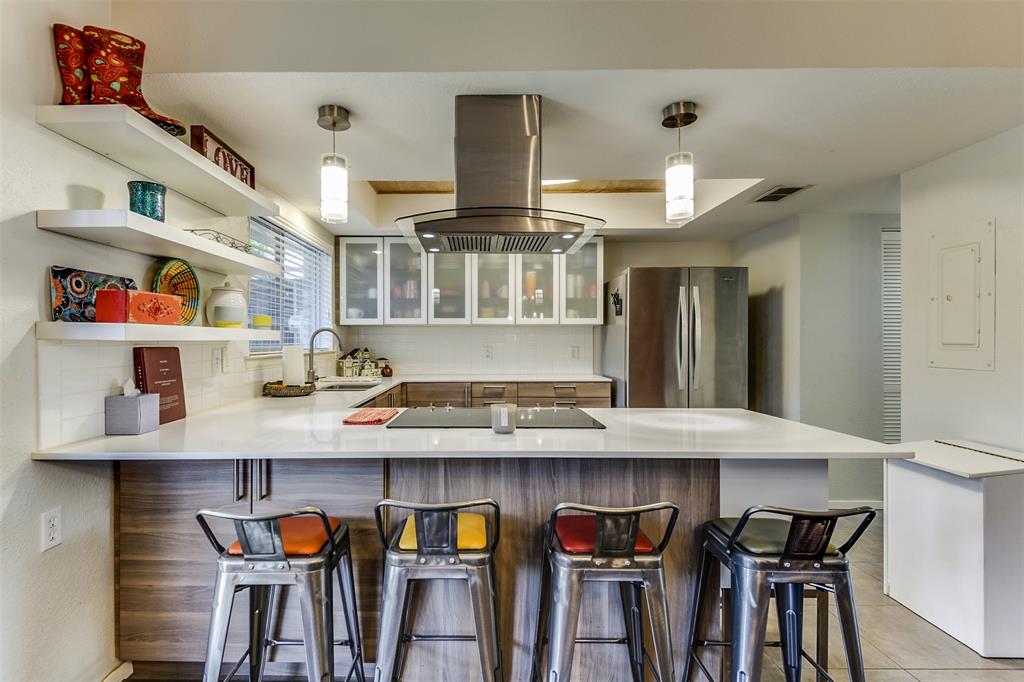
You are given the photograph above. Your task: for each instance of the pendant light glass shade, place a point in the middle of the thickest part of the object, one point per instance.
(678, 187)
(333, 188)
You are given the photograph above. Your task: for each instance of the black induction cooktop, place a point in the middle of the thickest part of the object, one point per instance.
(480, 418)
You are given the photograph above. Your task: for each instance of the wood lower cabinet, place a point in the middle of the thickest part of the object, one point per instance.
(566, 389)
(165, 567)
(438, 394)
(393, 398)
(532, 401)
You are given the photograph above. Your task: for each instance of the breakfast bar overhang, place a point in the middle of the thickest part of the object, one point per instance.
(265, 453)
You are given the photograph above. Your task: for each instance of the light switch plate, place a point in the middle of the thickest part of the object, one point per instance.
(52, 532)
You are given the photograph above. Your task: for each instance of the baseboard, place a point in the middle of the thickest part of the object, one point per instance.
(850, 504)
(120, 673)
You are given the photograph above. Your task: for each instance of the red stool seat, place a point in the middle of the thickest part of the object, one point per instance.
(576, 533)
(301, 535)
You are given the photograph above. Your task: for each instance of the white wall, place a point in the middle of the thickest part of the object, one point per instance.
(647, 254)
(57, 608)
(983, 181)
(772, 255)
(841, 329)
(520, 349)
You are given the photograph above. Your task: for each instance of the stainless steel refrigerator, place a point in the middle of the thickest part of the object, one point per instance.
(676, 337)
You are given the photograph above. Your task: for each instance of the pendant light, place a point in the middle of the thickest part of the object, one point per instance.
(679, 165)
(333, 167)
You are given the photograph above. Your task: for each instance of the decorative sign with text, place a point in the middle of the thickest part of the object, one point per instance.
(213, 148)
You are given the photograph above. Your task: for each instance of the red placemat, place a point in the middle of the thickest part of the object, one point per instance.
(371, 416)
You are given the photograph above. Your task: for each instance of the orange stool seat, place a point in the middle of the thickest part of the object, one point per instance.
(301, 535)
(576, 533)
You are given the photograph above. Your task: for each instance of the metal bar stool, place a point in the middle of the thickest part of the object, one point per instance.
(767, 556)
(299, 548)
(438, 542)
(602, 545)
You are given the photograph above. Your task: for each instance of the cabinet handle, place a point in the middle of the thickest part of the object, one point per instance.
(261, 479)
(237, 490)
(500, 387)
(568, 387)
(465, 397)
(564, 402)
(493, 402)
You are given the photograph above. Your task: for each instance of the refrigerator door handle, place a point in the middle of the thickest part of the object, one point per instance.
(683, 330)
(697, 338)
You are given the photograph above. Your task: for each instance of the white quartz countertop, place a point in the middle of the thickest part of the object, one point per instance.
(965, 458)
(311, 428)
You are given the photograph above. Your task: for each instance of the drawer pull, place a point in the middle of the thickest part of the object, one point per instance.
(566, 387)
(565, 402)
(494, 388)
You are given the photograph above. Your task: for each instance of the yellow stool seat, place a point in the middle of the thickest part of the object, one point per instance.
(472, 532)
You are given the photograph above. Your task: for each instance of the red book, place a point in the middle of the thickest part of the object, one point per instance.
(158, 370)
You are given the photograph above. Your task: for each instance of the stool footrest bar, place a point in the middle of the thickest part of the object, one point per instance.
(601, 640)
(299, 642)
(438, 638)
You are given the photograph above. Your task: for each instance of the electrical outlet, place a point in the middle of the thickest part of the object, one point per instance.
(51, 527)
(488, 352)
(574, 352)
(217, 360)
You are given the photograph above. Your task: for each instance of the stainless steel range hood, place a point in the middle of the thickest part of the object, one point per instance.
(497, 186)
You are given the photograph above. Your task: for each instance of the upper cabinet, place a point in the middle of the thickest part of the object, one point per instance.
(405, 276)
(582, 285)
(360, 280)
(388, 281)
(537, 288)
(450, 278)
(494, 287)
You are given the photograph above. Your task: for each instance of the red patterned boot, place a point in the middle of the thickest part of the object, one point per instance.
(115, 67)
(74, 74)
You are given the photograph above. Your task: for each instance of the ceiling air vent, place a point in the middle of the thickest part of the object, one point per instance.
(779, 193)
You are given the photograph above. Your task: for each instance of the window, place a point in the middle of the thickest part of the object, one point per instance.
(892, 330)
(299, 301)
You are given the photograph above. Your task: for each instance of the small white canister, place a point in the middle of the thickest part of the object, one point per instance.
(503, 417)
(227, 307)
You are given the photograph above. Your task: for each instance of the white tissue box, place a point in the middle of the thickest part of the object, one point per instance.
(132, 414)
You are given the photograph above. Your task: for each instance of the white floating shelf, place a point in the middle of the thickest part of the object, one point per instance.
(121, 134)
(112, 331)
(123, 229)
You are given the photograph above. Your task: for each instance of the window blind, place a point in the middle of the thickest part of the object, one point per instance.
(892, 330)
(299, 301)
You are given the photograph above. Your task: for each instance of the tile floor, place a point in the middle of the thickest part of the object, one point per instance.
(898, 645)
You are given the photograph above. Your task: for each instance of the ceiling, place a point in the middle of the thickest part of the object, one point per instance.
(838, 129)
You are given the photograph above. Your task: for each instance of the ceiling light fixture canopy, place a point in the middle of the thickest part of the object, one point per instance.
(679, 165)
(333, 166)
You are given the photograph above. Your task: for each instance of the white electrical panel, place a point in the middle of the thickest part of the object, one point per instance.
(962, 298)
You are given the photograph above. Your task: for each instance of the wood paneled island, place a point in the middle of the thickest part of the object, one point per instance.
(289, 453)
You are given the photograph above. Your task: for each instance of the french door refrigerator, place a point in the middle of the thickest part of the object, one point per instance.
(676, 337)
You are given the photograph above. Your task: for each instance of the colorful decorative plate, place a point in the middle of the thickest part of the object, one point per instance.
(177, 277)
(73, 292)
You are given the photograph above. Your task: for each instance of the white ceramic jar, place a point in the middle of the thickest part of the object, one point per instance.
(227, 307)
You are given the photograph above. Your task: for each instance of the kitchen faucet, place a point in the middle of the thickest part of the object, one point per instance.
(311, 374)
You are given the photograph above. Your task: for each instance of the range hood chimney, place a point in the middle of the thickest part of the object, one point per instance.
(497, 186)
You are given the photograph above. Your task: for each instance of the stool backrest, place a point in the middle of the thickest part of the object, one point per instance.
(810, 532)
(260, 534)
(437, 525)
(616, 528)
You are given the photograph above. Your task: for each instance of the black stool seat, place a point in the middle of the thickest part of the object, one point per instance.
(760, 536)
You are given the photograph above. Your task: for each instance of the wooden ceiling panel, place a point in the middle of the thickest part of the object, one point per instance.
(577, 187)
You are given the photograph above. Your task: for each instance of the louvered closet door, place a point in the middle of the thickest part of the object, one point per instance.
(892, 329)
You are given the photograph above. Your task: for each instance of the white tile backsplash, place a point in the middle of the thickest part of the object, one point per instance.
(74, 378)
(514, 350)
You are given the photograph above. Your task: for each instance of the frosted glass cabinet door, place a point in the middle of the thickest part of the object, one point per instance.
(360, 279)
(537, 299)
(405, 278)
(582, 285)
(494, 288)
(451, 279)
